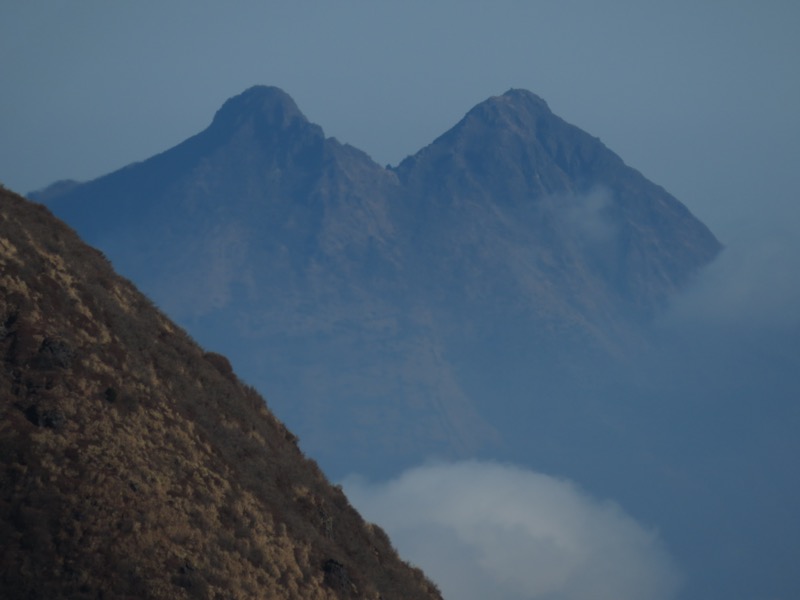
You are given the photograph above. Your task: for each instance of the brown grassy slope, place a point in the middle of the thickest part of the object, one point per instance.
(134, 465)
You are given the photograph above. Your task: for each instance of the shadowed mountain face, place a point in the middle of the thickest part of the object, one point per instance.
(591, 225)
(134, 465)
(396, 313)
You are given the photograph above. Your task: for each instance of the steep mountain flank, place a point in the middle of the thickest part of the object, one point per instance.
(591, 225)
(394, 313)
(136, 465)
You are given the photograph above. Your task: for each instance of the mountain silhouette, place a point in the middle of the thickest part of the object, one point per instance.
(136, 465)
(391, 313)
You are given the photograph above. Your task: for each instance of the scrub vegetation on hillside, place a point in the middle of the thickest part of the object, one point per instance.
(136, 465)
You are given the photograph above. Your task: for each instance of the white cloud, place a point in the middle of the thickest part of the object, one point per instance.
(485, 530)
(753, 283)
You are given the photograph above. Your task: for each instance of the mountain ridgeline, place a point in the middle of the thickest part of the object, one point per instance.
(396, 313)
(135, 465)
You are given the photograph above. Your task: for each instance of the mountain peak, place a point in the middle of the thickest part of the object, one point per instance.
(521, 99)
(505, 137)
(518, 110)
(267, 105)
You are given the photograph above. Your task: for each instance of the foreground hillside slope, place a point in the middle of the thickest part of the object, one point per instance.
(134, 465)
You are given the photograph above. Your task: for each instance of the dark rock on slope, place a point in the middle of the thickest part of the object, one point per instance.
(134, 465)
(392, 314)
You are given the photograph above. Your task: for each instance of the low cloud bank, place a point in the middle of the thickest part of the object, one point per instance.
(486, 530)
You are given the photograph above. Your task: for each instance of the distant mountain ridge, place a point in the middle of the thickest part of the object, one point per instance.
(382, 308)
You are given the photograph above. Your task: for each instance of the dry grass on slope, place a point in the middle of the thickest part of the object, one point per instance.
(134, 465)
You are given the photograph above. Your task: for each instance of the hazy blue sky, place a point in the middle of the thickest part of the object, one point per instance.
(701, 97)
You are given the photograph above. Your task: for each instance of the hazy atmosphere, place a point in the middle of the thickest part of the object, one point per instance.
(700, 97)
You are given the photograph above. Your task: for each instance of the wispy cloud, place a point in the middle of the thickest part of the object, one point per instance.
(487, 530)
(754, 283)
(586, 216)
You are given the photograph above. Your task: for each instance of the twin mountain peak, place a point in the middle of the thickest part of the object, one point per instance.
(273, 109)
(518, 119)
(517, 127)
(510, 167)
(371, 299)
